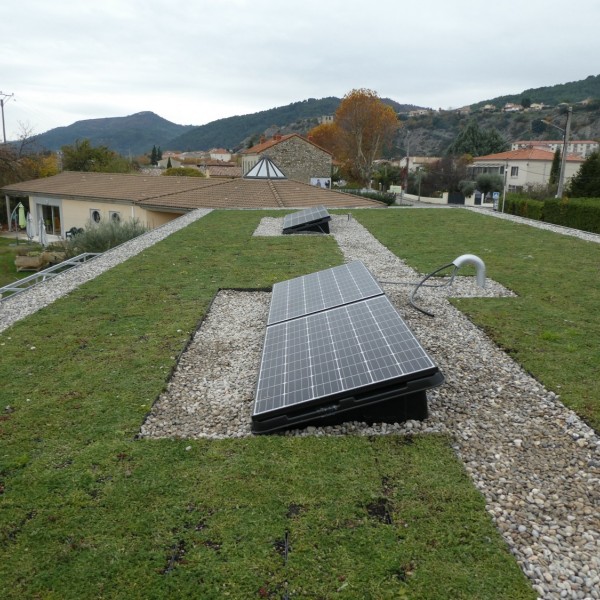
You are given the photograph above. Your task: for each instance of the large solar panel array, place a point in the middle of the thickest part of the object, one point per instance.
(319, 291)
(347, 355)
(311, 219)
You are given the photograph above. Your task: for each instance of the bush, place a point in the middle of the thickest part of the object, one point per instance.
(183, 172)
(384, 197)
(104, 236)
(523, 206)
(578, 213)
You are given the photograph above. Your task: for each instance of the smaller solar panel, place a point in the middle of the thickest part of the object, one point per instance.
(322, 290)
(311, 219)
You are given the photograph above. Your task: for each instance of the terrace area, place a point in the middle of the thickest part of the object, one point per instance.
(126, 437)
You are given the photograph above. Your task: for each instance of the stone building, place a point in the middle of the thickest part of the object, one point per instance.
(297, 157)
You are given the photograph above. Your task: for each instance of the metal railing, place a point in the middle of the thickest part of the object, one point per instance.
(23, 284)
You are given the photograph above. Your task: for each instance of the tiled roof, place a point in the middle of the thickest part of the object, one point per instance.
(525, 154)
(187, 193)
(107, 186)
(546, 142)
(260, 148)
(223, 171)
(260, 193)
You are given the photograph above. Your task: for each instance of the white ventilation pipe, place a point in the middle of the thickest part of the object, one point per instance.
(471, 259)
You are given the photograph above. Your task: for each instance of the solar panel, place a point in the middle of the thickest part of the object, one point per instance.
(322, 290)
(311, 219)
(337, 363)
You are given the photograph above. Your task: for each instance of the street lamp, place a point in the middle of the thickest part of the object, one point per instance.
(563, 158)
(419, 176)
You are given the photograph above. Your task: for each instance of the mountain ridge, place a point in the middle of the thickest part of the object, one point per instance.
(136, 134)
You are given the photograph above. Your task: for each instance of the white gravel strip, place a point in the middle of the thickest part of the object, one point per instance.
(23, 304)
(582, 235)
(536, 463)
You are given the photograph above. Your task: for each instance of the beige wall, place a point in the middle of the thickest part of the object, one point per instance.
(77, 213)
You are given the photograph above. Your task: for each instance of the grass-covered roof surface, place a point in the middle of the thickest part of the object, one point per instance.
(88, 511)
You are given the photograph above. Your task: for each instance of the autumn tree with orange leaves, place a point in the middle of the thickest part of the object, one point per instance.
(326, 136)
(363, 126)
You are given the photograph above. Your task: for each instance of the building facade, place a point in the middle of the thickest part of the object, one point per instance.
(297, 157)
(582, 148)
(523, 168)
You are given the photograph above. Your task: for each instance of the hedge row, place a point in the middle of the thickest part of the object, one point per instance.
(579, 213)
(386, 197)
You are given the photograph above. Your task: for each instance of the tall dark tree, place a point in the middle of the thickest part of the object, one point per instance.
(154, 156)
(586, 182)
(477, 142)
(555, 168)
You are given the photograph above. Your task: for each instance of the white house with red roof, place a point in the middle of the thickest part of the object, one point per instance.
(524, 168)
(581, 147)
(220, 154)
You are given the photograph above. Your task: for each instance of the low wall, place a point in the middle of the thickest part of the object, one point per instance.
(443, 201)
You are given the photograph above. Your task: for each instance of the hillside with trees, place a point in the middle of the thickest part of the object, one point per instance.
(131, 135)
(571, 93)
(434, 133)
(137, 134)
(240, 132)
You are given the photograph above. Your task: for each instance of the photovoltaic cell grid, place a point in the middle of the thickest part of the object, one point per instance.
(347, 348)
(304, 218)
(322, 290)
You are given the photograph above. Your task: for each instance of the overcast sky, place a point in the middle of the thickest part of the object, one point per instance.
(197, 61)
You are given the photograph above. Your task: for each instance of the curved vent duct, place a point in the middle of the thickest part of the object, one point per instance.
(471, 259)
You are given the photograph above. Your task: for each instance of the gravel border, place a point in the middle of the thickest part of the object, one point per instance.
(536, 463)
(21, 305)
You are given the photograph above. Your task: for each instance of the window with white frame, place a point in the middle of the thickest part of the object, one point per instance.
(114, 216)
(514, 171)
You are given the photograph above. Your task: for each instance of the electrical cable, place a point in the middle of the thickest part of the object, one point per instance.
(430, 285)
(421, 284)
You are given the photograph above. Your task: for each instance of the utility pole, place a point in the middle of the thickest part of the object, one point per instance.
(407, 141)
(2, 96)
(563, 158)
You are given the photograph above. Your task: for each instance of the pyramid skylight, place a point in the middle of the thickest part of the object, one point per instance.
(265, 168)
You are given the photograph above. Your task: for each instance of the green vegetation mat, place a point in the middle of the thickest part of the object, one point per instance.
(88, 511)
(553, 327)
